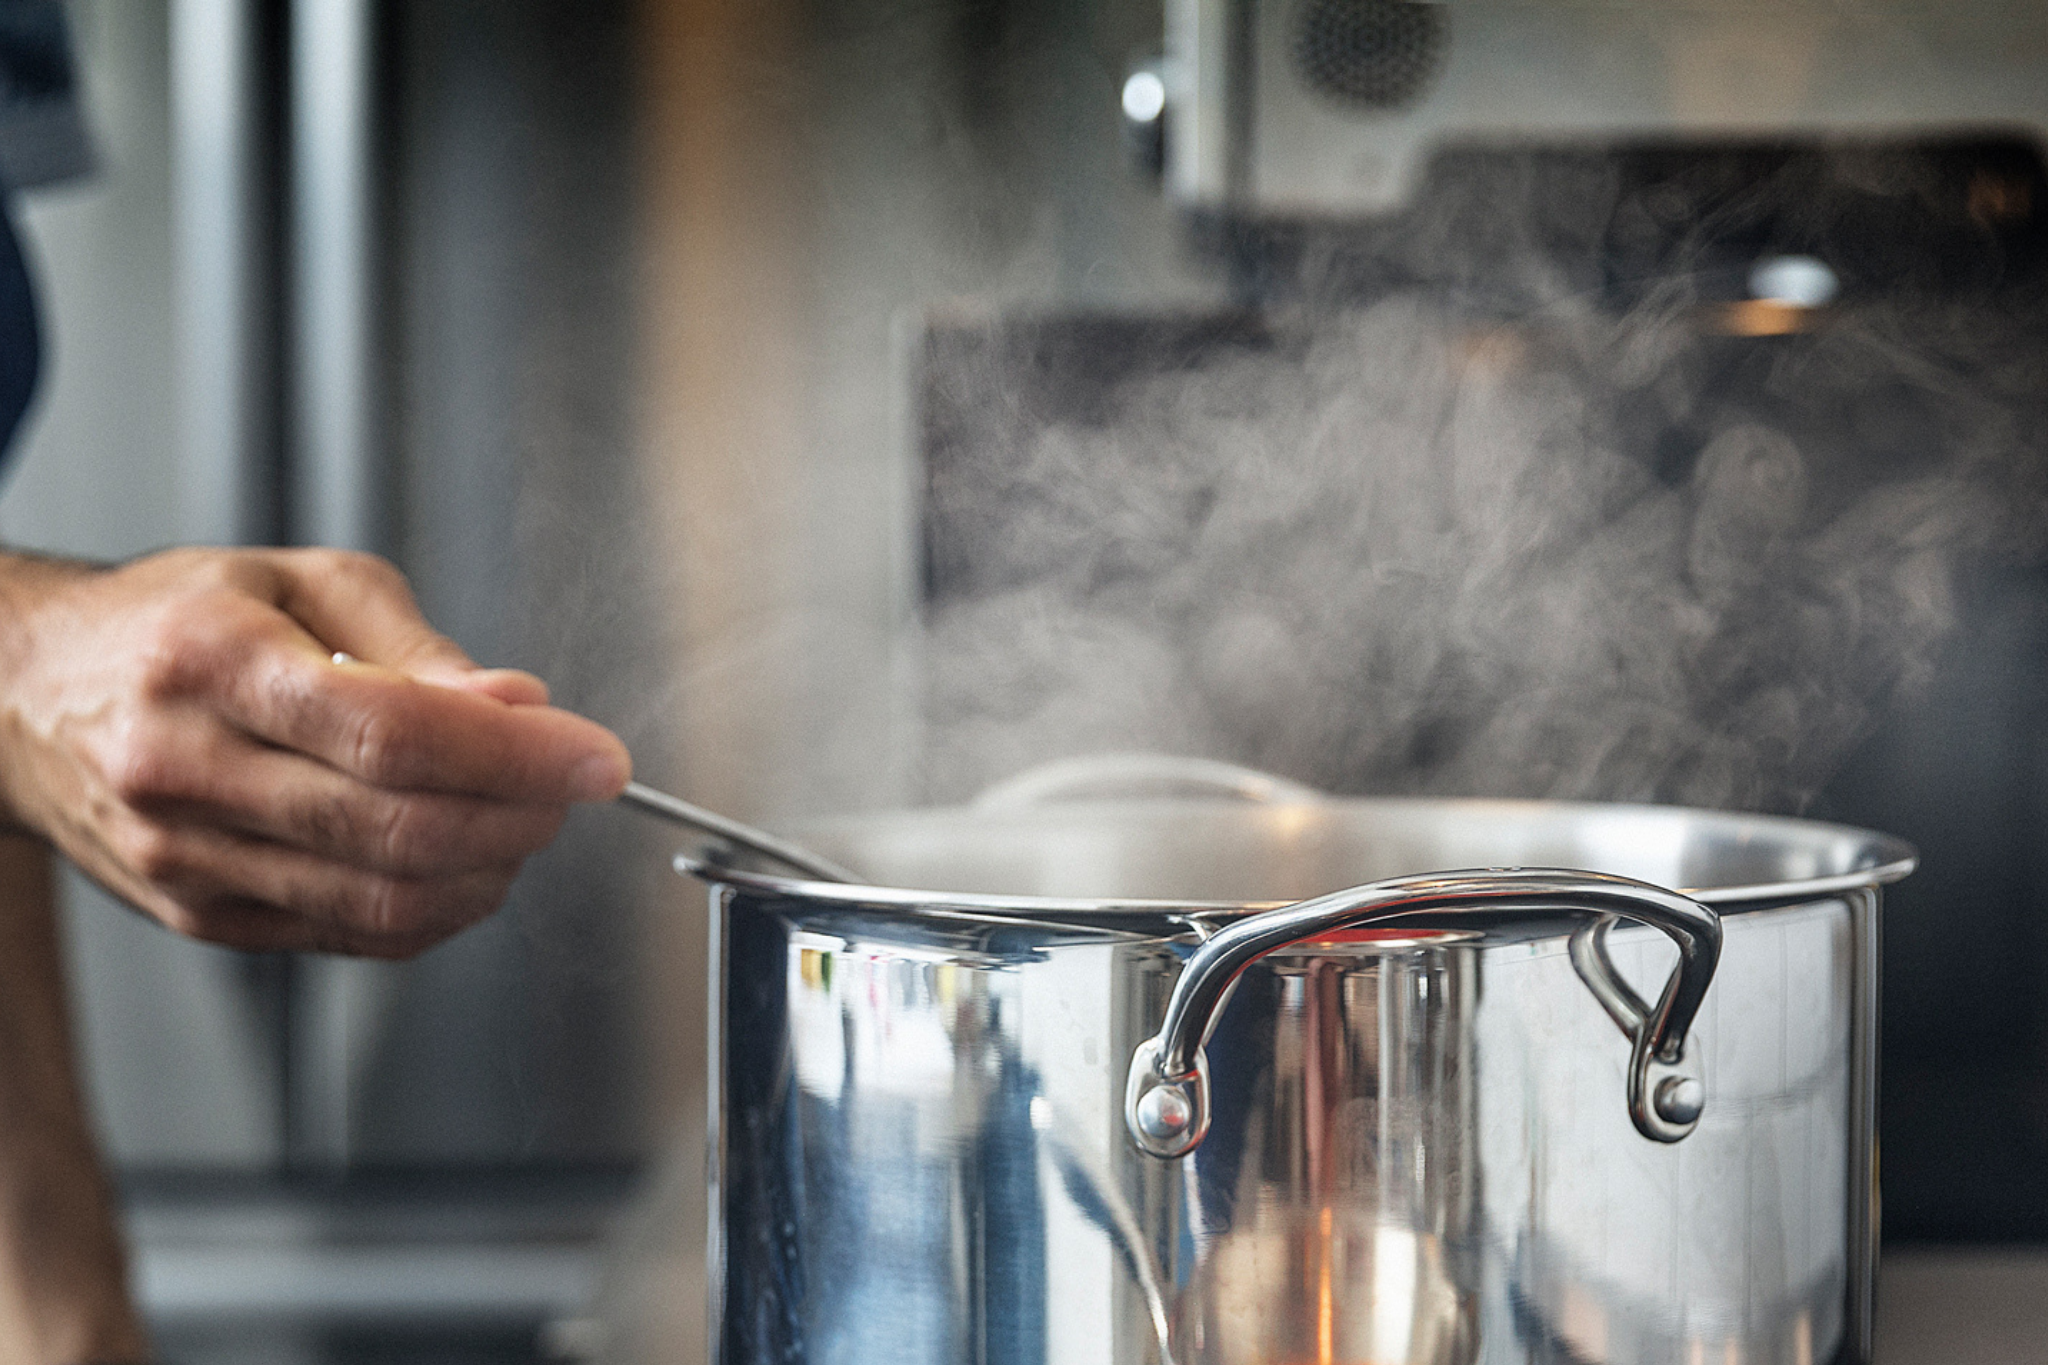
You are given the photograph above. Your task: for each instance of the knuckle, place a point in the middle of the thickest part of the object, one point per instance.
(151, 851)
(246, 573)
(142, 771)
(176, 653)
(410, 835)
(181, 918)
(380, 746)
(323, 560)
(394, 907)
(329, 823)
(290, 694)
(212, 568)
(364, 570)
(198, 640)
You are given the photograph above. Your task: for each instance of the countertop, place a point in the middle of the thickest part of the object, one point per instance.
(1963, 1306)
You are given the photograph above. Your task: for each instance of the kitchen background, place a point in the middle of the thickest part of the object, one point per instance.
(687, 355)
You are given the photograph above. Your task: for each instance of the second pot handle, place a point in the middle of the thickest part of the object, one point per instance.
(1166, 1097)
(1131, 774)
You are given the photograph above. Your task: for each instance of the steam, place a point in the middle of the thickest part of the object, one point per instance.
(1393, 549)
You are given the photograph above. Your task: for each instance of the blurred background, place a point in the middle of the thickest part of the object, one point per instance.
(852, 404)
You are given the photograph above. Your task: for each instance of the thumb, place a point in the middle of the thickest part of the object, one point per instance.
(513, 686)
(360, 606)
(363, 608)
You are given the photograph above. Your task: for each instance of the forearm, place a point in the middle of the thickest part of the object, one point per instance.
(63, 1279)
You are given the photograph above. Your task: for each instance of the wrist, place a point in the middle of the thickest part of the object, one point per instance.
(29, 584)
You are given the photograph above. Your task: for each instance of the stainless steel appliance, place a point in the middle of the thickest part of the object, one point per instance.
(1332, 108)
(322, 1160)
(1087, 1093)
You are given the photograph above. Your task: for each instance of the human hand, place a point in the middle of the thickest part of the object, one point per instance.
(179, 727)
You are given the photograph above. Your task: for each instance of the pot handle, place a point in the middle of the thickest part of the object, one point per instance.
(1065, 779)
(1166, 1098)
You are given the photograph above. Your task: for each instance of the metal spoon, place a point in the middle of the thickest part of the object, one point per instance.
(681, 812)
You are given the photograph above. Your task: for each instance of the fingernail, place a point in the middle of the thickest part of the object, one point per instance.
(599, 778)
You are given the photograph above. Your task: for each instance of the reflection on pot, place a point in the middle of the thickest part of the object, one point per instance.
(1374, 1295)
(1332, 1223)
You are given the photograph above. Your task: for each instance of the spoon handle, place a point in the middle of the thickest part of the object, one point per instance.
(681, 812)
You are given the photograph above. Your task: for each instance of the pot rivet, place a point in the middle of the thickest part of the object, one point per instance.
(1164, 1113)
(1680, 1099)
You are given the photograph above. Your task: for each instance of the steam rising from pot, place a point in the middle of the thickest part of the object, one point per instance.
(1582, 554)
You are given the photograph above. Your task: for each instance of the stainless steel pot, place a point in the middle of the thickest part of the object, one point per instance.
(1127, 1082)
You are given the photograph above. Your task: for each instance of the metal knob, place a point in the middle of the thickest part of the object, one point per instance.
(1679, 1100)
(1164, 1114)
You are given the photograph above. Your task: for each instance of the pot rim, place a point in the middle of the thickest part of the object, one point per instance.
(1888, 858)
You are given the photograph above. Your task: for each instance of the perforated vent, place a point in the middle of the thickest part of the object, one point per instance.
(1372, 54)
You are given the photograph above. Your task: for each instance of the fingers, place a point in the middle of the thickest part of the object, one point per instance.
(391, 730)
(508, 685)
(476, 734)
(199, 773)
(247, 894)
(512, 686)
